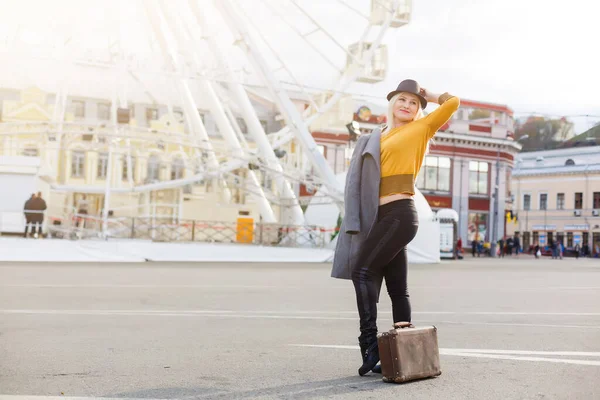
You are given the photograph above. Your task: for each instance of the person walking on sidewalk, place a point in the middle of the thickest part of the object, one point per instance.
(28, 215)
(38, 204)
(380, 214)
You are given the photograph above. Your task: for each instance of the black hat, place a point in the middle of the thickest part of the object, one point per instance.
(409, 86)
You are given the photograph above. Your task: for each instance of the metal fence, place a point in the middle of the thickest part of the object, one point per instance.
(163, 229)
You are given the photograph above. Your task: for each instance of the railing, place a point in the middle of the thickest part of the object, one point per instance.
(162, 229)
(72, 225)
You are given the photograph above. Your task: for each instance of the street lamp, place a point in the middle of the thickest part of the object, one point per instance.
(496, 202)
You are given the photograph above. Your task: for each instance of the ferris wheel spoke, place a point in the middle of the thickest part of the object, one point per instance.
(343, 2)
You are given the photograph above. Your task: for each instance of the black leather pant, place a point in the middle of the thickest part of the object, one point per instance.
(383, 255)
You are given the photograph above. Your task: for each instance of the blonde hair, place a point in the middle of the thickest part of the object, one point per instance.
(388, 126)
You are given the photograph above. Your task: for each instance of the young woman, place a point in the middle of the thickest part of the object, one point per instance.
(380, 215)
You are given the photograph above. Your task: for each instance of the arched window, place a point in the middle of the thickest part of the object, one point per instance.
(177, 168)
(569, 162)
(153, 171)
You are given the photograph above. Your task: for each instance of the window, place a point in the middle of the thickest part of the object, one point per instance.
(31, 152)
(153, 171)
(104, 111)
(78, 108)
(478, 177)
(125, 168)
(569, 239)
(242, 124)
(578, 201)
(527, 202)
(102, 165)
(536, 237)
(177, 168)
(569, 162)
(435, 174)
(77, 164)
(543, 201)
(178, 116)
(596, 200)
(151, 114)
(560, 201)
(477, 228)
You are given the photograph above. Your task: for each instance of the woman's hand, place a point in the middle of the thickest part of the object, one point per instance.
(430, 96)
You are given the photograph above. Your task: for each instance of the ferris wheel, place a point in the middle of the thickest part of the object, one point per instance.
(213, 52)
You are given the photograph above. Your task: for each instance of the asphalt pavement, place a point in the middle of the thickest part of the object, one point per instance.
(508, 329)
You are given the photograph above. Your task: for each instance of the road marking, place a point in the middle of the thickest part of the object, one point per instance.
(328, 287)
(516, 324)
(530, 352)
(507, 313)
(226, 314)
(518, 358)
(297, 315)
(516, 355)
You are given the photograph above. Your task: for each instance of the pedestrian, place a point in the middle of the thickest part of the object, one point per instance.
(27, 212)
(561, 249)
(459, 248)
(517, 244)
(380, 214)
(577, 250)
(553, 249)
(509, 246)
(536, 251)
(585, 250)
(501, 247)
(473, 247)
(38, 205)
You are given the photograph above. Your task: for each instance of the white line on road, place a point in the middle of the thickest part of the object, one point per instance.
(516, 324)
(259, 315)
(496, 354)
(303, 287)
(518, 358)
(507, 313)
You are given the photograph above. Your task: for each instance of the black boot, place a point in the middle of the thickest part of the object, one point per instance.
(363, 350)
(370, 357)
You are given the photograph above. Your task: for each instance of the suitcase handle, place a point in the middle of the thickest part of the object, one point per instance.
(403, 324)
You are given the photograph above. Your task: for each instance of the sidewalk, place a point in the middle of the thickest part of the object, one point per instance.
(31, 250)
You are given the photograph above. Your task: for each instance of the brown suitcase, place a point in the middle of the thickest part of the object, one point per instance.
(408, 353)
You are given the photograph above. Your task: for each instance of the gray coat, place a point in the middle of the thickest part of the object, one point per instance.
(361, 202)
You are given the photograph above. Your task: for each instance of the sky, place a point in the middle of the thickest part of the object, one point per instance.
(532, 55)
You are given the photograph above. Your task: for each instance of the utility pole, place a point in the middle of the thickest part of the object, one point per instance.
(496, 201)
(496, 204)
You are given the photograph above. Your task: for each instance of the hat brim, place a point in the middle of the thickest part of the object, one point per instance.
(421, 98)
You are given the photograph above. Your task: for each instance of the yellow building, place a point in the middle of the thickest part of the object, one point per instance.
(556, 197)
(144, 159)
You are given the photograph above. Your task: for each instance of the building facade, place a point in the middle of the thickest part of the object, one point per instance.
(79, 157)
(557, 197)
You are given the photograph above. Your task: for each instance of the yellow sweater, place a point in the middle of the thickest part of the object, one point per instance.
(403, 148)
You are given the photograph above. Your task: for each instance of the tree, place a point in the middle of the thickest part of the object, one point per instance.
(544, 133)
(479, 113)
